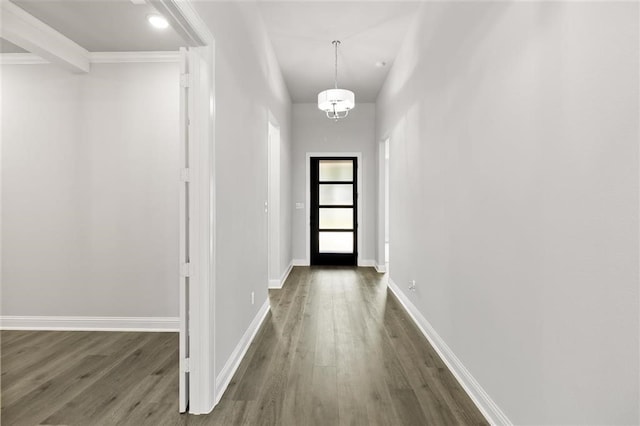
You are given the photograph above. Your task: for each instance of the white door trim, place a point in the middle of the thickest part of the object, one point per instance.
(183, 391)
(202, 244)
(184, 20)
(202, 233)
(359, 201)
(382, 213)
(273, 203)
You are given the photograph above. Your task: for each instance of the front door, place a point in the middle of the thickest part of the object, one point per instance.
(334, 211)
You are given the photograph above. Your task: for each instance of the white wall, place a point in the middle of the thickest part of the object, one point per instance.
(90, 190)
(514, 199)
(249, 87)
(314, 132)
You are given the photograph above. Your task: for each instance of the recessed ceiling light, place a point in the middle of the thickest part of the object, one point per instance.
(381, 64)
(158, 21)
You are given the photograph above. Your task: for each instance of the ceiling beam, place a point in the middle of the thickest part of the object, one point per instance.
(33, 35)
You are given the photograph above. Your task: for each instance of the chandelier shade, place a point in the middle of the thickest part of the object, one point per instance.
(339, 99)
(336, 103)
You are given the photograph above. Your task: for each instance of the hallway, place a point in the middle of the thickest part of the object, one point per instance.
(337, 348)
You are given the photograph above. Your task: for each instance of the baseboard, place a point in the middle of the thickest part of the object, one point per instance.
(363, 262)
(232, 364)
(151, 324)
(275, 284)
(480, 398)
(278, 283)
(381, 269)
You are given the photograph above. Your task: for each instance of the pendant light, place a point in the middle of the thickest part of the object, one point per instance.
(336, 103)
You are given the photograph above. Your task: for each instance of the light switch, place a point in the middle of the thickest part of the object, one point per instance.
(299, 206)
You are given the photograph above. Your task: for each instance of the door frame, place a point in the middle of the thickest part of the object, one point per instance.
(201, 101)
(198, 303)
(273, 202)
(383, 173)
(359, 201)
(184, 235)
(201, 365)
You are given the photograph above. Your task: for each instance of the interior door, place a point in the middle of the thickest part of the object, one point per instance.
(183, 384)
(334, 210)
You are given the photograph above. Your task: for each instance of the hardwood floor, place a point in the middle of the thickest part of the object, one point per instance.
(336, 349)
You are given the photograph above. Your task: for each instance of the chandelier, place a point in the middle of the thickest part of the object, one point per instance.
(335, 102)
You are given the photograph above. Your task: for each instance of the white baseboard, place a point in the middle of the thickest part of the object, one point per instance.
(155, 324)
(381, 268)
(480, 398)
(232, 364)
(363, 262)
(278, 283)
(275, 284)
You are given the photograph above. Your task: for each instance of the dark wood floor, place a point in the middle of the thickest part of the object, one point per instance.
(336, 349)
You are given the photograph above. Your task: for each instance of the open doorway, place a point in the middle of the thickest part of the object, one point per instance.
(112, 124)
(273, 204)
(386, 204)
(382, 262)
(197, 203)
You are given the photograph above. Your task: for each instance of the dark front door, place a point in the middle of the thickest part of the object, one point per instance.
(334, 211)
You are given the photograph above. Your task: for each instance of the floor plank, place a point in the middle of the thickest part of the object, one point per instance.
(336, 349)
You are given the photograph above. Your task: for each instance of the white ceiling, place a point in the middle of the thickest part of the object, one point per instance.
(8, 47)
(301, 34)
(103, 25)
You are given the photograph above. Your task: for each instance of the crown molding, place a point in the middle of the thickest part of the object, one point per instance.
(125, 57)
(95, 58)
(21, 59)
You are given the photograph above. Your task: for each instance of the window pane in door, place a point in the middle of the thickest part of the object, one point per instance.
(332, 195)
(336, 218)
(336, 170)
(336, 242)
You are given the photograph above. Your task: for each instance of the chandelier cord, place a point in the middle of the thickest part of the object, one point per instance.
(335, 102)
(336, 43)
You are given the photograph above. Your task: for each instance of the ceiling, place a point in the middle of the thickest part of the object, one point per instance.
(370, 32)
(8, 47)
(301, 33)
(103, 25)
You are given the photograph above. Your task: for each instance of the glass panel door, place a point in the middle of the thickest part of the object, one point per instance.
(334, 211)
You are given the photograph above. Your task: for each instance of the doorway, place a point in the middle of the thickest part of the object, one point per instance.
(273, 204)
(197, 229)
(382, 261)
(386, 204)
(185, 230)
(334, 211)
